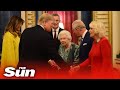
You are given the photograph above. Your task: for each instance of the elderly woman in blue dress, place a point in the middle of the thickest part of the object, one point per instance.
(68, 50)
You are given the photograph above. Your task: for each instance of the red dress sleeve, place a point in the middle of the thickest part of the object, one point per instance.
(106, 52)
(85, 63)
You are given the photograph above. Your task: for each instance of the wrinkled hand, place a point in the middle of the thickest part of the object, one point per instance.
(74, 69)
(53, 64)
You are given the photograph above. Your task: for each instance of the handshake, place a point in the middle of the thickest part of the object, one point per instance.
(53, 64)
(74, 69)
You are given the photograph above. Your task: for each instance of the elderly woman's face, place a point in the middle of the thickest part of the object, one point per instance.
(92, 32)
(64, 40)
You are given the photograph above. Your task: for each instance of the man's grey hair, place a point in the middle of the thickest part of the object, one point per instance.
(78, 24)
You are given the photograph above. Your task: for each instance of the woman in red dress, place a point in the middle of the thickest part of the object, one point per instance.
(100, 56)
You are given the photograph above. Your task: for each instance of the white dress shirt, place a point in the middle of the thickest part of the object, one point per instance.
(53, 32)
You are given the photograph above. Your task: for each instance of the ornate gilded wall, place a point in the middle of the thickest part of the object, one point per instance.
(30, 18)
(106, 18)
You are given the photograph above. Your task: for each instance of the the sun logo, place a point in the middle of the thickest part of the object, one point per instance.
(21, 72)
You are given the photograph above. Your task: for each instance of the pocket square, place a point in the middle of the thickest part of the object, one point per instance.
(84, 44)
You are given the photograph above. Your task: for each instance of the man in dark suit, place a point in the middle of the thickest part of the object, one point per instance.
(80, 30)
(56, 30)
(36, 46)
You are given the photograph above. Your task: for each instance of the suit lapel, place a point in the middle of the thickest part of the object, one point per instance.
(84, 38)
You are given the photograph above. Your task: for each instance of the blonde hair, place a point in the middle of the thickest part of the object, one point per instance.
(44, 18)
(65, 32)
(99, 28)
(78, 24)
